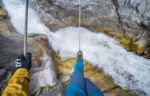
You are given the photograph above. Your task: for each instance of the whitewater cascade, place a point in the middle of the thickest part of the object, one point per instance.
(127, 69)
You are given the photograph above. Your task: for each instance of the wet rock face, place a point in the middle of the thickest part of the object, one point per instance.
(129, 18)
(118, 14)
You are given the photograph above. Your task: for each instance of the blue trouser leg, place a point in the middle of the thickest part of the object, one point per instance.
(91, 89)
(77, 84)
(78, 75)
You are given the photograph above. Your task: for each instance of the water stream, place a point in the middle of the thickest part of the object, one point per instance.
(127, 69)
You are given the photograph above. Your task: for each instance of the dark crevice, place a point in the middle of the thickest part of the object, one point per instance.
(144, 26)
(115, 2)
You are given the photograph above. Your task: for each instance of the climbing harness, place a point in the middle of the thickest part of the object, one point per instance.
(26, 28)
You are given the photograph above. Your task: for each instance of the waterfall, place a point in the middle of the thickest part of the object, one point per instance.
(127, 69)
(16, 11)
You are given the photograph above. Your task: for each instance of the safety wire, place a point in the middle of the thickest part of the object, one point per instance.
(79, 24)
(26, 27)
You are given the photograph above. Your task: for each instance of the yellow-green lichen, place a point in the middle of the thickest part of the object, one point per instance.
(42, 89)
(50, 87)
(3, 14)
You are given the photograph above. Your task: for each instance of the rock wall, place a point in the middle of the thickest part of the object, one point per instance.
(128, 20)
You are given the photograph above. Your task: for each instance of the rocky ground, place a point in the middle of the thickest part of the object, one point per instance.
(127, 20)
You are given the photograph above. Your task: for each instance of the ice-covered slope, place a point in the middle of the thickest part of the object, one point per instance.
(127, 69)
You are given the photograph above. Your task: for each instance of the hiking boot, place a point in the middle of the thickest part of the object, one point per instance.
(79, 55)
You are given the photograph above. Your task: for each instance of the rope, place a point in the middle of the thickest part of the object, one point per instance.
(79, 24)
(26, 28)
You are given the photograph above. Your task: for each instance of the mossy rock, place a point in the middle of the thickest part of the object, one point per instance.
(42, 89)
(49, 87)
(3, 14)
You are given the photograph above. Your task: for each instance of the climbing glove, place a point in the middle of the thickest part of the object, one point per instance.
(79, 55)
(24, 62)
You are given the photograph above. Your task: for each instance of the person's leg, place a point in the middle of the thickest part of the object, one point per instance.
(78, 75)
(91, 89)
(77, 84)
(79, 66)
